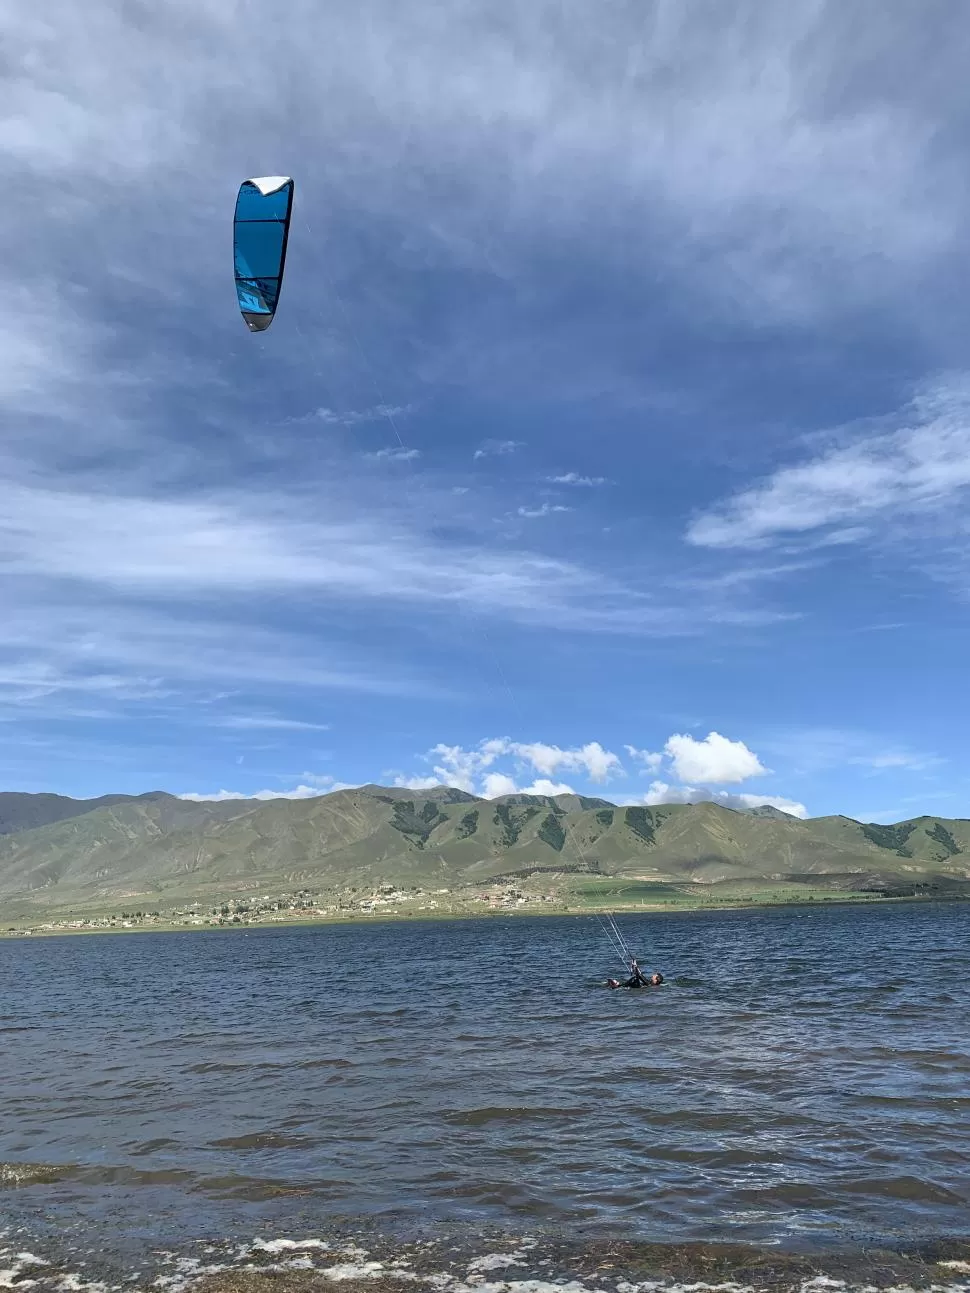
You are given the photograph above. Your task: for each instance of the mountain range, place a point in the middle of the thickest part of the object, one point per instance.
(96, 854)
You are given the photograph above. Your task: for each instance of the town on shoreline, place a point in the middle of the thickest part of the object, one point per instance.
(393, 902)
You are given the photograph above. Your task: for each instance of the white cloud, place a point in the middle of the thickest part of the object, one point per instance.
(497, 448)
(790, 806)
(269, 722)
(547, 509)
(495, 784)
(715, 759)
(354, 417)
(712, 760)
(474, 770)
(234, 542)
(715, 123)
(662, 793)
(573, 478)
(398, 453)
(598, 764)
(422, 783)
(455, 766)
(220, 796)
(907, 760)
(921, 467)
(322, 786)
(458, 767)
(543, 786)
(651, 761)
(178, 547)
(728, 127)
(132, 657)
(171, 591)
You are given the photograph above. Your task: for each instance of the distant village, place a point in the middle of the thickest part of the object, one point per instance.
(387, 899)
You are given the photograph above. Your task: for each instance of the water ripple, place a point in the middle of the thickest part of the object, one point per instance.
(786, 1080)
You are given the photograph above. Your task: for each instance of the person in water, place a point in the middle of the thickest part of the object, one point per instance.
(638, 979)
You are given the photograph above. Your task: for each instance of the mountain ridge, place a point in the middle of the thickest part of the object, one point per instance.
(159, 847)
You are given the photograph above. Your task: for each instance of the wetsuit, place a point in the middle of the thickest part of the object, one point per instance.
(636, 979)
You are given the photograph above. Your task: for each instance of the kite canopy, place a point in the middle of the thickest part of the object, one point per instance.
(260, 230)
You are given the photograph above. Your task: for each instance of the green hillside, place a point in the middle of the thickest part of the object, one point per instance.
(158, 850)
(22, 812)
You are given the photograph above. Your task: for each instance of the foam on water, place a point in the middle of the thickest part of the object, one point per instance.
(173, 1272)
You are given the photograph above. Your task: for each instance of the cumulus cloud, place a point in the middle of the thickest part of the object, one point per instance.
(460, 767)
(474, 770)
(662, 793)
(478, 770)
(598, 764)
(534, 767)
(715, 759)
(424, 783)
(495, 784)
(650, 760)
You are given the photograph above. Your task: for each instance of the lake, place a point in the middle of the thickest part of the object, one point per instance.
(800, 1082)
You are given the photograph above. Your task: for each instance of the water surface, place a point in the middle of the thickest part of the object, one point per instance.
(803, 1077)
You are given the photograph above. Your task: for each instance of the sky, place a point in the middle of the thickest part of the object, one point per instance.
(613, 433)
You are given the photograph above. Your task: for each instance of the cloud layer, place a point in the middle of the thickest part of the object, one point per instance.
(920, 469)
(714, 760)
(531, 768)
(539, 250)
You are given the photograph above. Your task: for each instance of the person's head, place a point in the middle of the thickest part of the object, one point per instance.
(656, 979)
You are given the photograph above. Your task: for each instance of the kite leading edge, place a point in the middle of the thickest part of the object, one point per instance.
(260, 231)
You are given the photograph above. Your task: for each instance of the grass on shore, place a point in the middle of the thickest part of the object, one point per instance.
(586, 896)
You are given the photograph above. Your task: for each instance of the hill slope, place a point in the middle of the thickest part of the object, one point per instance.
(22, 812)
(161, 849)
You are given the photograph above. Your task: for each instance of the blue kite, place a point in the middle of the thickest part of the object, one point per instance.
(260, 231)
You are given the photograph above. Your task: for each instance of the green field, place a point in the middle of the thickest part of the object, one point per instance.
(616, 893)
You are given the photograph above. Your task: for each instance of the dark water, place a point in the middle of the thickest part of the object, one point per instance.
(803, 1077)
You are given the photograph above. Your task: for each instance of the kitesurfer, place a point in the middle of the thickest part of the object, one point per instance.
(637, 978)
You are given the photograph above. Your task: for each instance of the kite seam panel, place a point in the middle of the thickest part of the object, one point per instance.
(258, 293)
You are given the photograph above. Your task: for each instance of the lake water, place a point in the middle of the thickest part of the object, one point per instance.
(801, 1081)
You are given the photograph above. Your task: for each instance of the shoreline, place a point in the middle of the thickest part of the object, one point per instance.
(365, 1258)
(30, 930)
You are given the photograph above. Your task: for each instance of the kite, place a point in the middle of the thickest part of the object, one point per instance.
(260, 231)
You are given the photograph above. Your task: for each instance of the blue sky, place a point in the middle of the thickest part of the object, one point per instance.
(613, 432)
